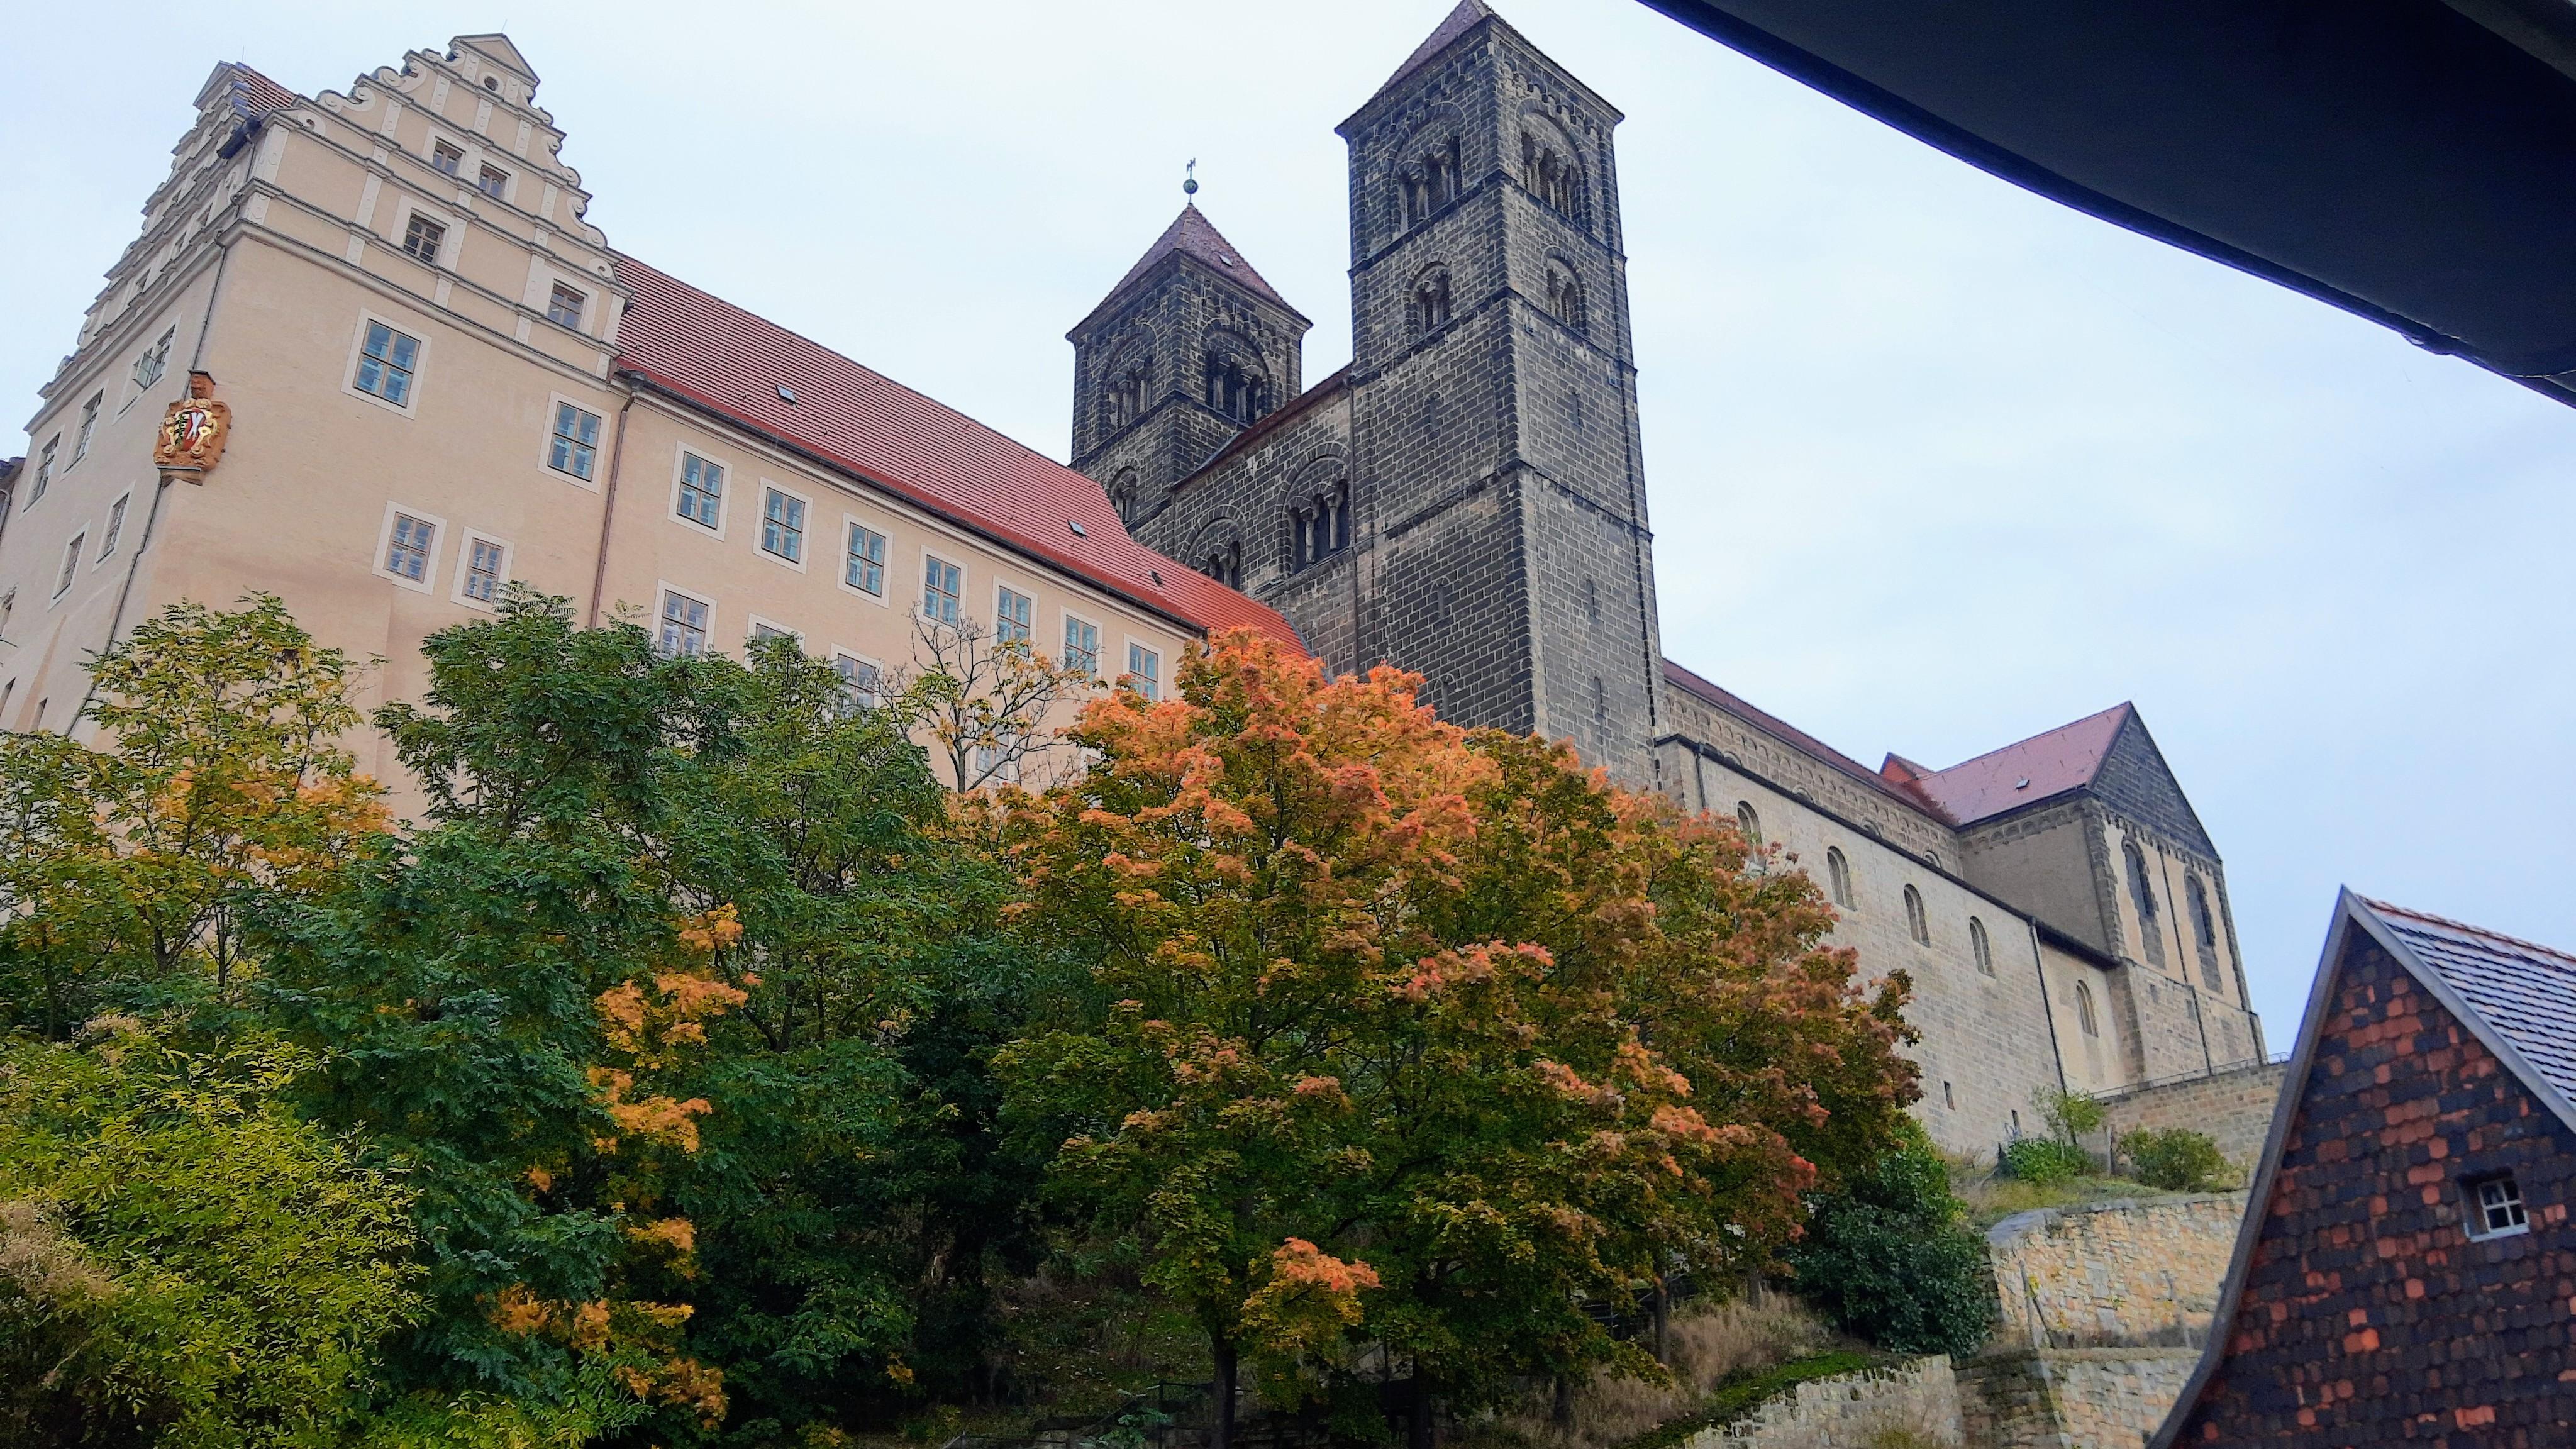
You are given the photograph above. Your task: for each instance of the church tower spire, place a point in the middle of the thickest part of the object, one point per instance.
(1191, 347)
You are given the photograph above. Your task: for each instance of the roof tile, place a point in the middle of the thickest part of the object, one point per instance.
(1192, 235)
(2052, 763)
(2526, 992)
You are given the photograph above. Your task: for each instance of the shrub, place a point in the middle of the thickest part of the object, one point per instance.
(1888, 1260)
(2176, 1159)
(2043, 1160)
(2068, 1114)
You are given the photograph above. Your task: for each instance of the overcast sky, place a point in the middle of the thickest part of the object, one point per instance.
(1934, 464)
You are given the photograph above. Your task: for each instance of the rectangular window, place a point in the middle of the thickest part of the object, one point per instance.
(1082, 647)
(44, 468)
(1011, 614)
(115, 526)
(684, 625)
(88, 426)
(2495, 1208)
(385, 364)
(941, 583)
(71, 564)
(483, 570)
(762, 633)
(422, 239)
(782, 526)
(155, 361)
(492, 182)
(701, 490)
(446, 158)
(564, 306)
(864, 568)
(859, 681)
(1145, 671)
(575, 448)
(408, 547)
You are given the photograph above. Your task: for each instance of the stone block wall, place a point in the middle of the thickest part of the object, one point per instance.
(2117, 1274)
(1919, 1397)
(2071, 1398)
(2233, 1106)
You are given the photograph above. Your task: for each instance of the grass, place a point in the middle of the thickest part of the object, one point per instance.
(1740, 1393)
(1713, 1348)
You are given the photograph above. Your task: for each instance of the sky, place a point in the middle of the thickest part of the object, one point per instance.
(1934, 464)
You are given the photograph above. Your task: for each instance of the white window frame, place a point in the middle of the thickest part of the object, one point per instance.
(760, 546)
(1068, 616)
(663, 589)
(2474, 1215)
(43, 478)
(841, 567)
(65, 579)
(468, 537)
(546, 443)
(724, 499)
(757, 622)
(482, 162)
(357, 354)
(450, 239)
(164, 343)
(1150, 646)
(465, 155)
(91, 414)
(965, 582)
(589, 305)
(428, 582)
(1035, 614)
(112, 528)
(876, 696)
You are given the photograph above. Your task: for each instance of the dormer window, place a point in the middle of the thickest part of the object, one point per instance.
(563, 307)
(492, 182)
(446, 157)
(422, 238)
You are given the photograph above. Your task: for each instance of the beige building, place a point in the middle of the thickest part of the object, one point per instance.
(441, 379)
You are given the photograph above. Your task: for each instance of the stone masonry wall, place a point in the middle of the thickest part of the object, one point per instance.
(2124, 1273)
(2071, 1398)
(1918, 1397)
(2233, 1106)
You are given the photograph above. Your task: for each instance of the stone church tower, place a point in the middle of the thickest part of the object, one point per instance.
(1465, 499)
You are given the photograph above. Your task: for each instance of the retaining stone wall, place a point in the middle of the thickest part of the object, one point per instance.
(2071, 1398)
(1848, 1411)
(2233, 1106)
(2115, 1274)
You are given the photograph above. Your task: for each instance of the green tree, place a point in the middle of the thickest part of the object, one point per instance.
(183, 1262)
(1888, 1258)
(126, 872)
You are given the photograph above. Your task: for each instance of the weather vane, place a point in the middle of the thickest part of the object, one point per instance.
(1190, 178)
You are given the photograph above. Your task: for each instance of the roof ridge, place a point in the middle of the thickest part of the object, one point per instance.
(1191, 234)
(2035, 735)
(1711, 692)
(2390, 908)
(1457, 23)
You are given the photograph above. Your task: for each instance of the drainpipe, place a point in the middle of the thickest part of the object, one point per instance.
(2039, 963)
(608, 500)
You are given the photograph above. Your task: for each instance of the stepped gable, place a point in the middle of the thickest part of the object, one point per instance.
(736, 365)
(1192, 235)
(2068, 757)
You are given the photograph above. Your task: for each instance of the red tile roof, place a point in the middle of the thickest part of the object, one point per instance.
(258, 92)
(1192, 235)
(2065, 758)
(1790, 735)
(1460, 21)
(733, 364)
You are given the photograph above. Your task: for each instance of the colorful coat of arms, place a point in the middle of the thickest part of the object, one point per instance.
(193, 431)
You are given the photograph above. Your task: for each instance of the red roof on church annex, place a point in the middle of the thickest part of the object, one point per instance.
(744, 368)
(1192, 235)
(2065, 758)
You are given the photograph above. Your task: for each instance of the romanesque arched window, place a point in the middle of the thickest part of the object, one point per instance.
(1122, 494)
(1565, 296)
(1426, 307)
(1917, 923)
(1320, 525)
(1549, 171)
(1236, 386)
(1749, 821)
(2084, 1010)
(2142, 889)
(2204, 929)
(1123, 394)
(1979, 947)
(1838, 877)
(1600, 708)
(1426, 181)
(1224, 563)
(1591, 602)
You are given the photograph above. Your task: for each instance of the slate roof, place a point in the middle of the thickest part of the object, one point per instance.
(2526, 992)
(1460, 21)
(2068, 757)
(1192, 235)
(732, 363)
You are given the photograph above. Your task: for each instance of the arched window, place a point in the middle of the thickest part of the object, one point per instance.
(1749, 821)
(1427, 307)
(1236, 387)
(1600, 708)
(2204, 929)
(1917, 924)
(1224, 563)
(2143, 889)
(1980, 947)
(1564, 296)
(1551, 175)
(1838, 877)
(1591, 602)
(1320, 526)
(1122, 494)
(2084, 1010)
(1426, 182)
(1123, 396)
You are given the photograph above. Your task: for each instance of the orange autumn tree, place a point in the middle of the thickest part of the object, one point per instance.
(1386, 1030)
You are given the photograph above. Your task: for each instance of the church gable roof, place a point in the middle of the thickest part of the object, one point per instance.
(2053, 762)
(1788, 734)
(1460, 20)
(741, 367)
(1192, 235)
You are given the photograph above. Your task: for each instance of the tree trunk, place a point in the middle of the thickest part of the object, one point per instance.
(1227, 1372)
(1561, 1411)
(1660, 1304)
(1417, 1418)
